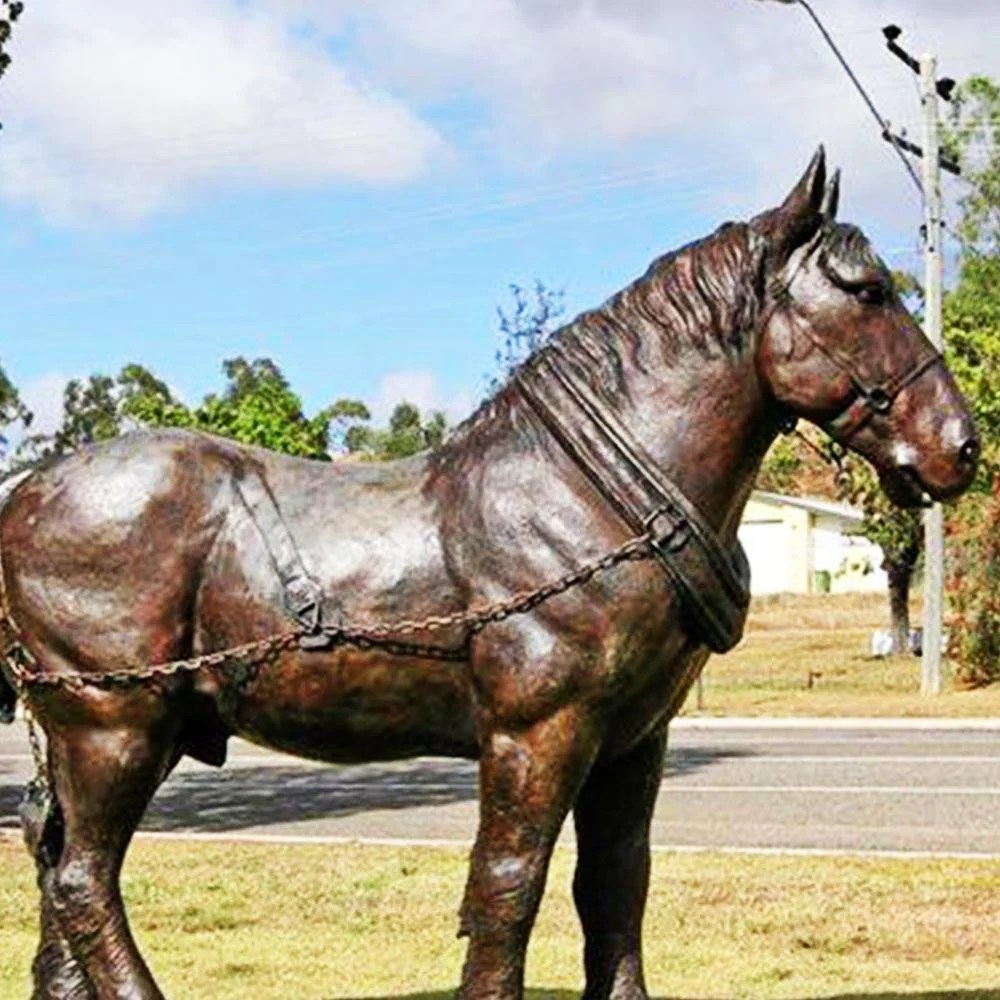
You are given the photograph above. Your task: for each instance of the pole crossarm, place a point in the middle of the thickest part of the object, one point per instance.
(858, 86)
(947, 163)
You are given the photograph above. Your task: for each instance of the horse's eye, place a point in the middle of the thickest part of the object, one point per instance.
(872, 295)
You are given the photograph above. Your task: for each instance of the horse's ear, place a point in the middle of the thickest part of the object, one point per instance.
(802, 212)
(831, 198)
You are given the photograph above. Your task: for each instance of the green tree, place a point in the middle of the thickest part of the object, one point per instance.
(972, 337)
(257, 407)
(973, 582)
(90, 413)
(406, 434)
(348, 425)
(971, 136)
(900, 536)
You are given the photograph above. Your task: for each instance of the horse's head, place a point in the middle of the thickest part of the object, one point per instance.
(839, 348)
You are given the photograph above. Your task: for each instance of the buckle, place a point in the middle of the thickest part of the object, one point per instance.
(879, 399)
(670, 532)
(304, 601)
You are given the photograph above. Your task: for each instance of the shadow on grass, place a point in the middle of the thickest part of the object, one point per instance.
(991, 994)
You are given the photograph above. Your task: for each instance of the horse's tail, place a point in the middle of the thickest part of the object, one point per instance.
(8, 693)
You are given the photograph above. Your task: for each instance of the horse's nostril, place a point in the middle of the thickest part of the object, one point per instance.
(968, 454)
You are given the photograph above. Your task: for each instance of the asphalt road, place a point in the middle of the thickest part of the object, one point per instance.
(868, 787)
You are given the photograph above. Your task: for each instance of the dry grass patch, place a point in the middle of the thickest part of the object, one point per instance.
(220, 922)
(808, 655)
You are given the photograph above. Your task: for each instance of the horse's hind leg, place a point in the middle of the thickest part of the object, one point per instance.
(102, 780)
(612, 815)
(57, 974)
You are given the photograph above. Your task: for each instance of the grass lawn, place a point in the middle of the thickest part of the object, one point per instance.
(318, 923)
(808, 655)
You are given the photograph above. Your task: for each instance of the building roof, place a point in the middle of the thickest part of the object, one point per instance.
(814, 505)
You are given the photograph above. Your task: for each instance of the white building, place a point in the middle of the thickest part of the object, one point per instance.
(798, 545)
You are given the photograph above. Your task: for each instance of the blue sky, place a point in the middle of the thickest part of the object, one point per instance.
(349, 187)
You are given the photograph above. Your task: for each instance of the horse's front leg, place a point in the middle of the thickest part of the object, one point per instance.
(527, 783)
(612, 816)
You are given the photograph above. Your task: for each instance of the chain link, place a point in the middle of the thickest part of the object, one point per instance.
(834, 454)
(41, 779)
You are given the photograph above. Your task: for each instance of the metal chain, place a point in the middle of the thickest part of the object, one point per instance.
(41, 779)
(834, 454)
(474, 619)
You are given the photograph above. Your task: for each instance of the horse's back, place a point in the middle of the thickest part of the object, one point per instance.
(117, 553)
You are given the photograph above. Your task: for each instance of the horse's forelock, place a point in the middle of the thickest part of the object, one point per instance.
(849, 244)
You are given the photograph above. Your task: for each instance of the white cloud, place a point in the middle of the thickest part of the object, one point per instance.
(124, 108)
(43, 396)
(422, 389)
(748, 88)
(121, 109)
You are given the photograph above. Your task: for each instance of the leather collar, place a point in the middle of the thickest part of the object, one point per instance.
(713, 582)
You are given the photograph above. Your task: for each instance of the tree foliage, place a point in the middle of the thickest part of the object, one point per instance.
(406, 434)
(12, 410)
(973, 581)
(898, 533)
(526, 326)
(971, 136)
(256, 407)
(972, 339)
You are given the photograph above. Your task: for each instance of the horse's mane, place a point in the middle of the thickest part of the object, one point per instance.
(705, 297)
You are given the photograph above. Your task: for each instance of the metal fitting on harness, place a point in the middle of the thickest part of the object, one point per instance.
(668, 530)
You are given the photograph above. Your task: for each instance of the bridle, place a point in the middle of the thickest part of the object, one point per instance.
(871, 396)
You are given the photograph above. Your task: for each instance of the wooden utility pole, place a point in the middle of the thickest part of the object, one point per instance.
(930, 666)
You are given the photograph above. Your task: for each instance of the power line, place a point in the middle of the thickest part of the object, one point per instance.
(882, 122)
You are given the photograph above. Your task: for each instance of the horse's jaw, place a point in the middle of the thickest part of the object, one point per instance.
(904, 488)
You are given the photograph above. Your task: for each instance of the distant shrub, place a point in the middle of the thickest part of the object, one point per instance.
(974, 588)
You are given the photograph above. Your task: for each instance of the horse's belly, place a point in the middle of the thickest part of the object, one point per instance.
(351, 706)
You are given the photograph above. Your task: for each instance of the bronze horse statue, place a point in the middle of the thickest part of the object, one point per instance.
(636, 431)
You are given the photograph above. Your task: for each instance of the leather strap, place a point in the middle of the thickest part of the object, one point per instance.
(303, 595)
(873, 399)
(713, 582)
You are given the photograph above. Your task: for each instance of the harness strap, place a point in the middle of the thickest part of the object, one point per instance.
(713, 582)
(874, 399)
(303, 595)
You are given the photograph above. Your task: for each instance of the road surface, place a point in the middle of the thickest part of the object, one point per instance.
(732, 785)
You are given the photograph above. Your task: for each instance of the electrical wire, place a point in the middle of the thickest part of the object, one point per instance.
(883, 123)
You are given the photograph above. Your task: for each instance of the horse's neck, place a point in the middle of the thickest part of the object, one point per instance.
(707, 427)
